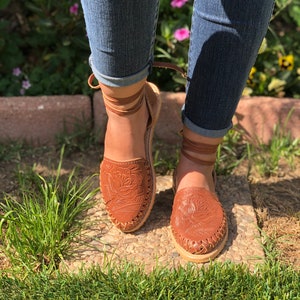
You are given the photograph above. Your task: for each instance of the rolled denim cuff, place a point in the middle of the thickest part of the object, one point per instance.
(120, 81)
(212, 133)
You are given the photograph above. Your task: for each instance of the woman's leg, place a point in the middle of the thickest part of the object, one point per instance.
(121, 36)
(225, 38)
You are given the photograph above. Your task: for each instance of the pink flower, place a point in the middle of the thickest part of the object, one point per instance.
(178, 3)
(16, 71)
(74, 9)
(26, 84)
(181, 34)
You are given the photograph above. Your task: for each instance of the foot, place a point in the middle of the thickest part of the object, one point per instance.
(198, 222)
(188, 174)
(127, 177)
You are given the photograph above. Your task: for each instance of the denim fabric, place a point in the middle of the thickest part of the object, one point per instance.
(121, 35)
(225, 38)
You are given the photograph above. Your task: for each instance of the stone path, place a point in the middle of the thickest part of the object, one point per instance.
(152, 244)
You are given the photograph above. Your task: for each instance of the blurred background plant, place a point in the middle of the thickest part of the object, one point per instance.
(277, 68)
(44, 49)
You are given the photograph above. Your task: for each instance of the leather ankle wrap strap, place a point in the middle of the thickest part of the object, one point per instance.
(120, 106)
(167, 65)
(90, 82)
(124, 106)
(189, 147)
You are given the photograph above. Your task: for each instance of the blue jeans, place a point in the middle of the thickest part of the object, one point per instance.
(225, 38)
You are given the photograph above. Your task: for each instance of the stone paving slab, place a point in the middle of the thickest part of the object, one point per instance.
(152, 244)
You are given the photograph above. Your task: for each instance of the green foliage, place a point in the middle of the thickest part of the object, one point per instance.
(276, 71)
(170, 49)
(38, 225)
(11, 151)
(48, 44)
(270, 76)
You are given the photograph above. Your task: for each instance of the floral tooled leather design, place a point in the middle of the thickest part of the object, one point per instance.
(198, 221)
(126, 189)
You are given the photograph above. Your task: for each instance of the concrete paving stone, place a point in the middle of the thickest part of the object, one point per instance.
(152, 244)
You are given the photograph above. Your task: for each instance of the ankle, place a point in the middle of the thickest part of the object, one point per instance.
(189, 174)
(122, 91)
(126, 126)
(196, 165)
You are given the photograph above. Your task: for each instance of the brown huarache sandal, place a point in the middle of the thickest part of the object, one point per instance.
(198, 222)
(128, 187)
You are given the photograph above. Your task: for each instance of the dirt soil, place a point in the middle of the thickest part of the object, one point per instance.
(277, 204)
(276, 199)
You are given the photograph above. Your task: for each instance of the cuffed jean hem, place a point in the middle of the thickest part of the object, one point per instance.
(202, 131)
(120, 81)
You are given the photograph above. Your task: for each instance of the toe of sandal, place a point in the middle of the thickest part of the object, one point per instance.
(199, 224)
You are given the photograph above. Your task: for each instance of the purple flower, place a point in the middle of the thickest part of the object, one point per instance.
(178, 3)
(26, 84)
(181, 34)
(74, 9)
(16, 71)
(22, 92)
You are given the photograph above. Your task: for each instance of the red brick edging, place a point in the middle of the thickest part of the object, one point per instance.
(38, 120)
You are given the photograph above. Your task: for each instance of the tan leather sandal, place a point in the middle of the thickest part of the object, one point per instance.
(198, 222)
(128, 187)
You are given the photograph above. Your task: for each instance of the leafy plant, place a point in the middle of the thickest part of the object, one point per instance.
(37, 227)
(276, 71)
(10, 151)
(43, 49)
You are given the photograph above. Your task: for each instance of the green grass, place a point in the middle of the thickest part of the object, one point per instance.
(230, 153)
(282, 149)
(38, 225)
(81, 137)
(11, 150)
(127, 281)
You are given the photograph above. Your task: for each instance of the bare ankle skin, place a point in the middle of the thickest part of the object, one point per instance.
(124, 138)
